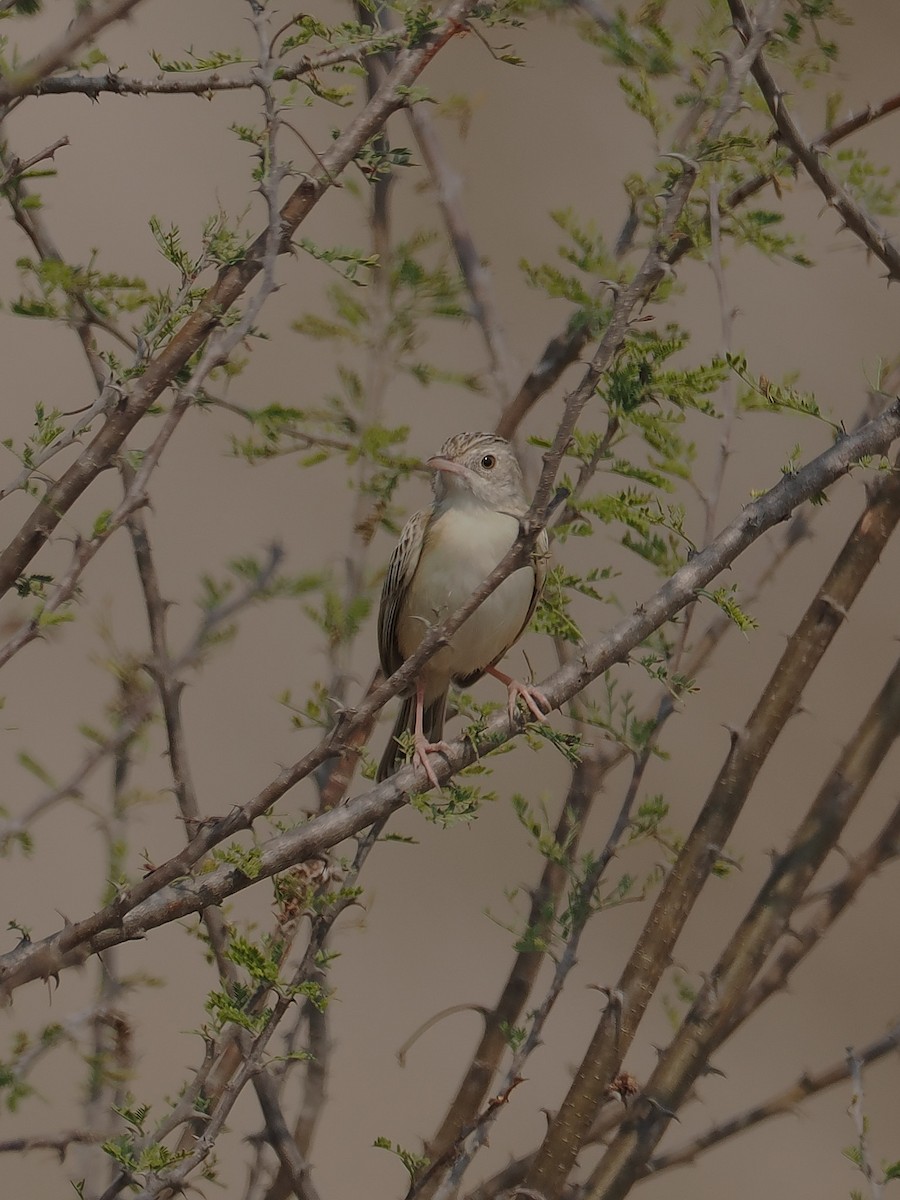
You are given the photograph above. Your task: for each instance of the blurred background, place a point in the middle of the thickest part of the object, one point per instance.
(432, 929)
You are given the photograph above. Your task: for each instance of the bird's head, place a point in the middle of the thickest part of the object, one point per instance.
(480, 466)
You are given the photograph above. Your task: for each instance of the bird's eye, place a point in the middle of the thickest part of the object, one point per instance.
(489, 462)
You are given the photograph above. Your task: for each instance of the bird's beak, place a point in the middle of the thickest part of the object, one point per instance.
(445, 464)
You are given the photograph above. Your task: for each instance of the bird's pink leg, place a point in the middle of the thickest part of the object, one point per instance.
(423, 747)
(531, 696)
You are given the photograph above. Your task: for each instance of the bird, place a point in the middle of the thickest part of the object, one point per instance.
(444, 554)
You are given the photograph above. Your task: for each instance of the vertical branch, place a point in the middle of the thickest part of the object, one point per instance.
(333, 778)
(506, 1013)
(749, 750)
(729, 387)
(448, 188)
(709, 1018)
(170, 689)
(233, 280)
(858, 1114)
(110, 1036)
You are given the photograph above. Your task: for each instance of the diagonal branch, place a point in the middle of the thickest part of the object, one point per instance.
(170, 892)
(851, 212)
(750, 746)
(782, 1103)
(710, 1017)
(232, 282)
(87, 24)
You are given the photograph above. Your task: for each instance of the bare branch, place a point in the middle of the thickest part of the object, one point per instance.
(17, 167)
(851, 212)
(220, 298)
(87, 24)
(146, 904)
(448, 188)
(708, 1021)
(115, 84)
(781, 1104)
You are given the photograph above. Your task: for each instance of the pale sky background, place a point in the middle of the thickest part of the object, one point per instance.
(553, 133)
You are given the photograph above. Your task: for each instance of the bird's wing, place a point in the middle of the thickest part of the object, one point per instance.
(540, 559)
(399, 575)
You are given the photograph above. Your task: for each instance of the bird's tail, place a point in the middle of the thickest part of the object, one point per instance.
(432, 723)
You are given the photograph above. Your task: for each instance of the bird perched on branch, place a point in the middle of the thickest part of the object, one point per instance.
(444, 554)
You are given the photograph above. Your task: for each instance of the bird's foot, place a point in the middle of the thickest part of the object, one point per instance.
(532, 697)
(420, 754)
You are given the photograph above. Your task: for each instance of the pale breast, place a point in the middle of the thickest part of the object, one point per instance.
(463, 546)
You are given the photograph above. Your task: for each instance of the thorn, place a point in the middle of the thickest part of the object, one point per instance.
(709, 1069)
(661, 1109)
(689, 164)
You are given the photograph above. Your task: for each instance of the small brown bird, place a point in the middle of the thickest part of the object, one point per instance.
(444, 554)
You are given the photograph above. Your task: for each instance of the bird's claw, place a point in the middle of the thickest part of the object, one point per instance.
(532, 697)
(420, 756)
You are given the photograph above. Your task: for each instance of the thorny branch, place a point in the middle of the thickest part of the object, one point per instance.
(91, 19)
(152, 901)
(113, 83)
(128, 920)
(853, 214)
(781, 1104)
(710, 832)
(709, 1019)
(232, 282)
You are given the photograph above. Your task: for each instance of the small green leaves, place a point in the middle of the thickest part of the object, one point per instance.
(376, 159)
(869, 183)
(245, 859)
(764, 395)
(154, 1157)
(420, 23)
(33, 585)
(213, 60)
(414, 1163)
(349, 259)
(55, 289)
(553, 613)
(724, 598)
(538, 828)
(459, 802)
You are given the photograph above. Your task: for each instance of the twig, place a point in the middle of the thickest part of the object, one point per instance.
(709, 1019)
(233, 280)
(858, 1115)
(334, 778)
(477, 276)
(145, 904)
(31, 221)
(142, 707)
(60, 1142)
(114, 84)
(87, 24)
(852, 213)
(17, 166)
(293, 1164)
(780, 1104)
(169, 687)
(836, 899)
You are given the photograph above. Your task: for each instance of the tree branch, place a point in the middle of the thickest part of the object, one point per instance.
(852, 213)
(220, 298)
(152, 901)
